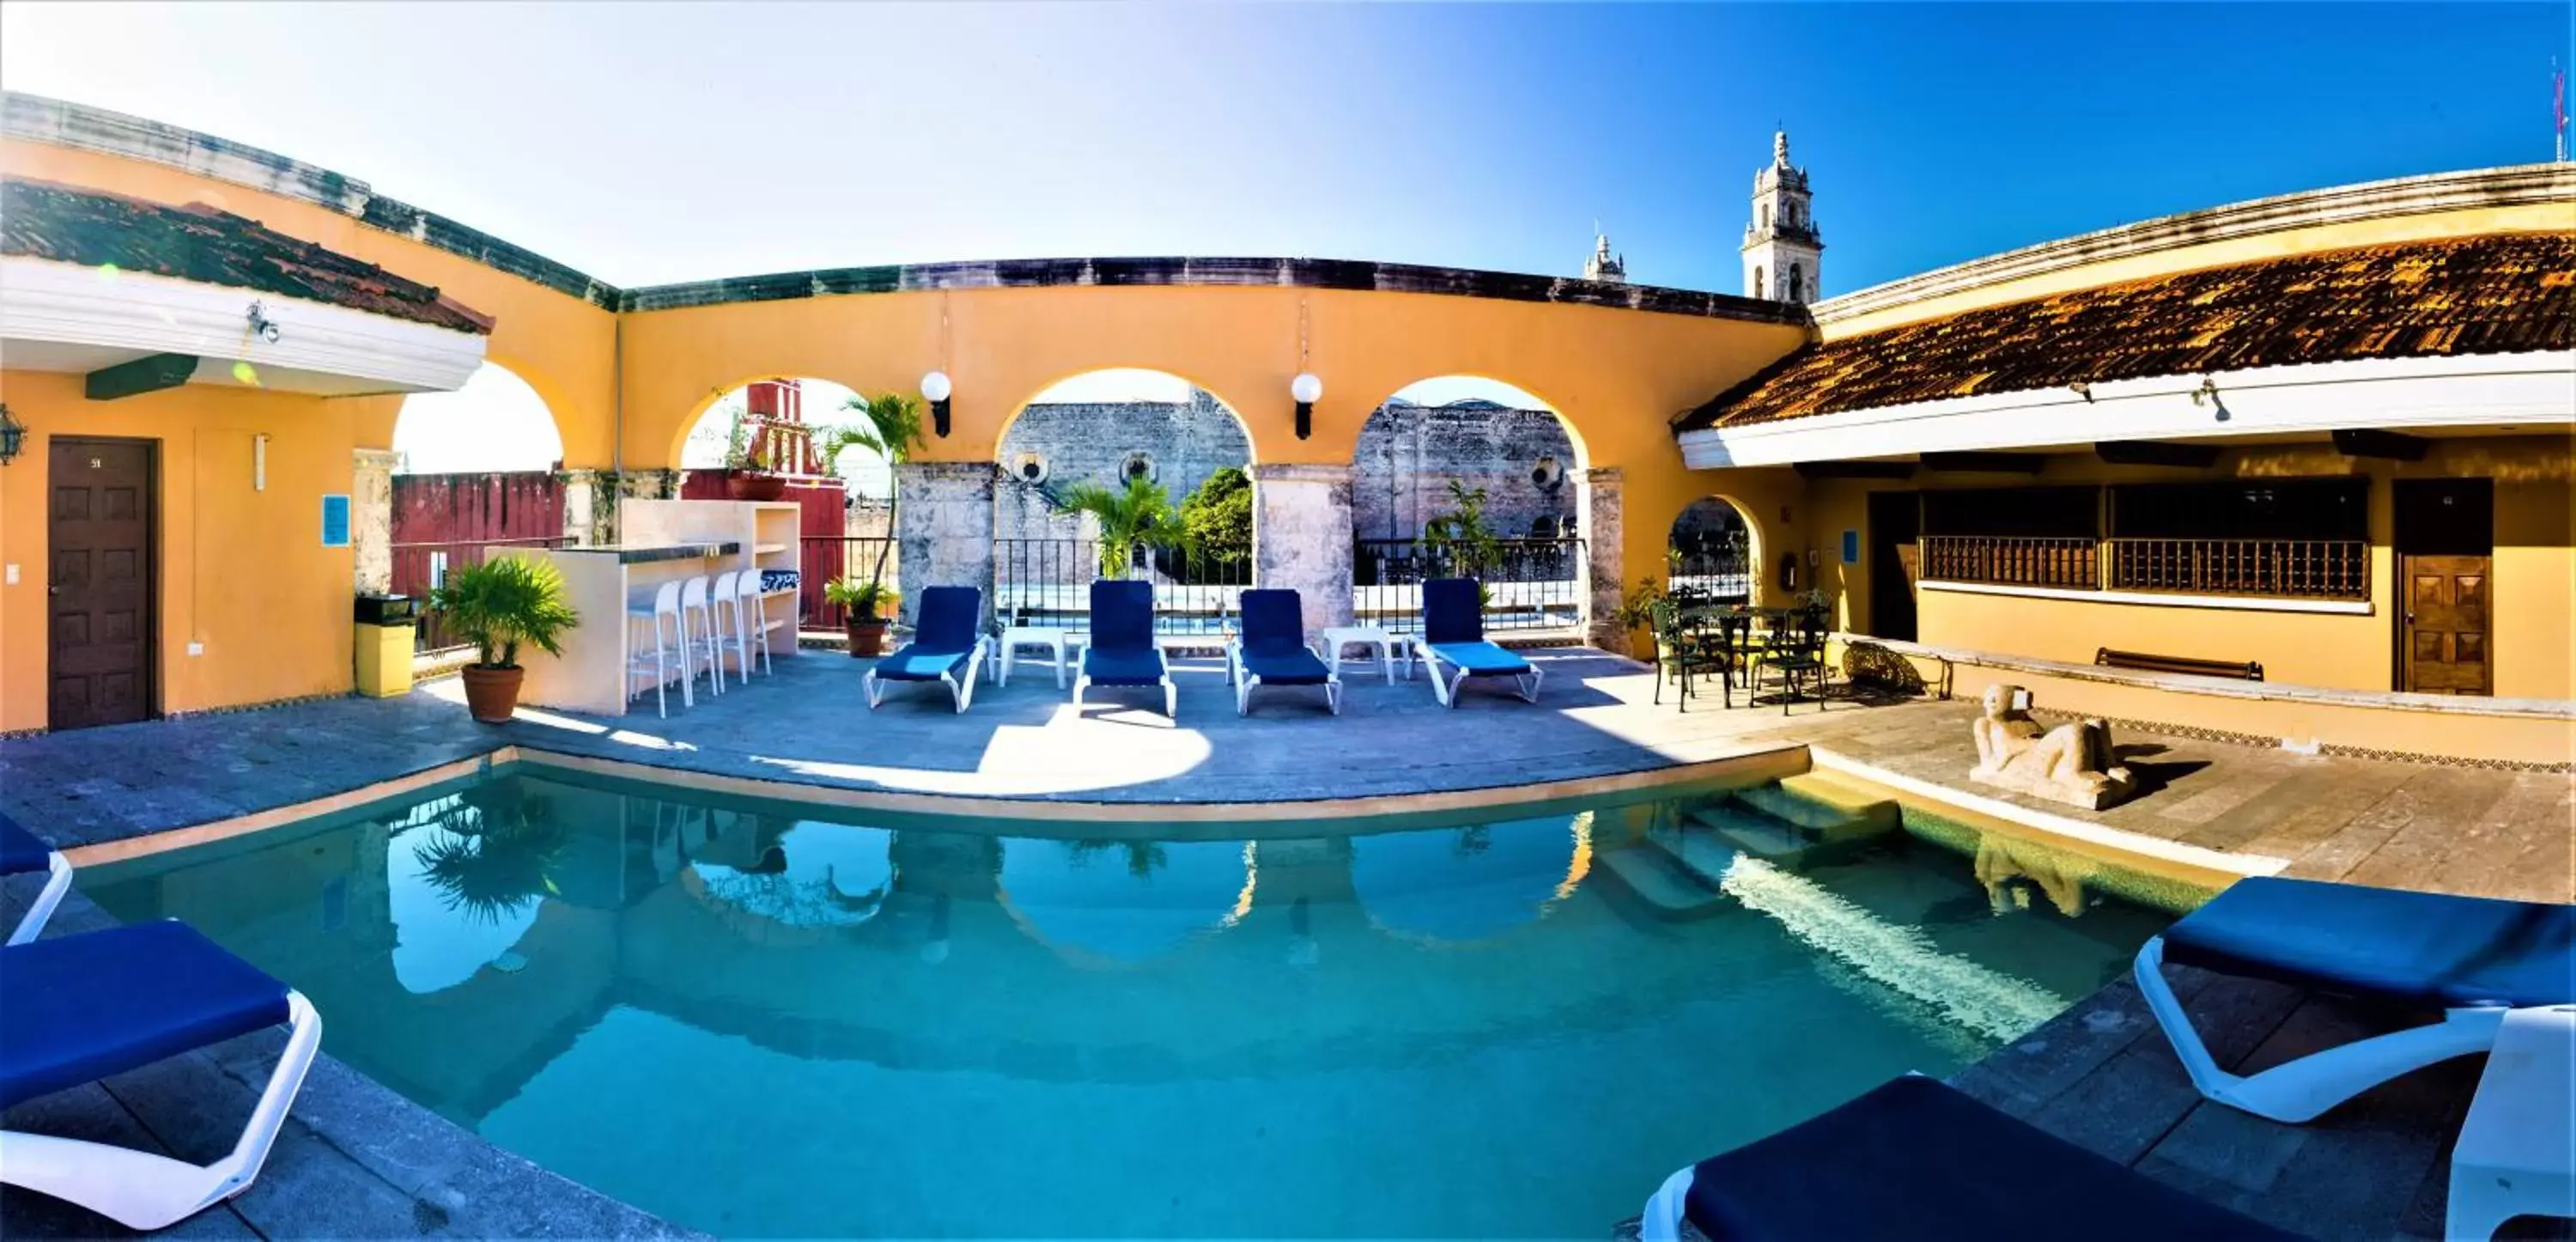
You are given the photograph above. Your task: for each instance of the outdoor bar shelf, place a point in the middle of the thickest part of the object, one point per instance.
(629, 555)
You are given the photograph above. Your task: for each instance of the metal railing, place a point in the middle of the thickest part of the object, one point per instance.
(2279, 568)
(1531, 584)
(2013, 560)
(419, 568)
(823, 558)
(1721, 573)
(1048, 582)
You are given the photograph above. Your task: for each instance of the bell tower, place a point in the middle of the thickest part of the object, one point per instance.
(1783, 253)
(1603, 265)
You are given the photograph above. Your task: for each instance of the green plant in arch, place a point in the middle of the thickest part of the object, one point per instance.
(860, 599)
(1218, 516)
(502, 603)
(889, 426)
(1140, 513)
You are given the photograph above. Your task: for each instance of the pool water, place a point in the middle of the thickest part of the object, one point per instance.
(761, 1019)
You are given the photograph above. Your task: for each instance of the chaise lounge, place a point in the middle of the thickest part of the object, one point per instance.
(2473, 958)
(1272, 651)
(1453, 633)
(76, 1009)
(946, 647)
(22, 854)
(1122, 650)
(1919, 1160)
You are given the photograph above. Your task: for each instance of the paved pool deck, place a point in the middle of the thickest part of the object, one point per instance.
(358, 1160)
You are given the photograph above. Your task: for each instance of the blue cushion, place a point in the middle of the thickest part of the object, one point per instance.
(1273, 619)
(2422, 949)
(918, 662)
(1123, 668)
(1482, 659)
(1453, 611)
(949, 618)
(1291, 666)
(1918, 1160)
(76, 1009)
(20, 851)
(1122, 615)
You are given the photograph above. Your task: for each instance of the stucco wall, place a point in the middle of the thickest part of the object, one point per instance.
(241, 571)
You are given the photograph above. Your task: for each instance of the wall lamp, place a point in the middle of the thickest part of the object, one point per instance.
(261, 325)
(1306, 390)
(13, 436)
(2207, 394)
(935, 389)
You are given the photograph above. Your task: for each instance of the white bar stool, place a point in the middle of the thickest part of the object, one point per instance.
(693, 600)
(731, 635)
(655, 661)
(752, 603)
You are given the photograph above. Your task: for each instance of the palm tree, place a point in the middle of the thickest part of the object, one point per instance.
(1142, 513)
(890, 427)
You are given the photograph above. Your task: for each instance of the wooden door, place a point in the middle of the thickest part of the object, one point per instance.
(1895, 563)
(100, 581)
(2446, 624)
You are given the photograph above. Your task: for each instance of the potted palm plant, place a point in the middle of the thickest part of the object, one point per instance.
(889, 426)
(496, 606)
(1141, 513)
(866, 609)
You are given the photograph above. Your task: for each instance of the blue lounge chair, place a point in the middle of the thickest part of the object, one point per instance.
(76, 1009)
(946, 647)
(1122, 650)
(2473, 958)
(1453, 633)
(1272, 651)
(1919, 1160)
(22, 854)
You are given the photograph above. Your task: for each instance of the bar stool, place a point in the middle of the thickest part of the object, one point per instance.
(693, 600)
(751, 603)
(666, 603)
(724, 602)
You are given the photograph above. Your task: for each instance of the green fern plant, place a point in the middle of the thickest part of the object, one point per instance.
(502, 603)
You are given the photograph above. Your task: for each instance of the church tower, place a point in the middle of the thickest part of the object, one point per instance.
(1783, 256)
(1603, 265)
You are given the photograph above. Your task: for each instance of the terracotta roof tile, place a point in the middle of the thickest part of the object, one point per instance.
(2501, 293)
(43, 220)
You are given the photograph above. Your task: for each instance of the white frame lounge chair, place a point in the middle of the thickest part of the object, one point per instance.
(80, 1008)
(945, 643)
(1122, 643)
(21, 853)
(1453, 633)
(1271, 650)
(2473, 958)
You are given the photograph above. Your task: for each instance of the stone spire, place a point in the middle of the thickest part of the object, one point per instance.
(1603, 265)
(1780, 148)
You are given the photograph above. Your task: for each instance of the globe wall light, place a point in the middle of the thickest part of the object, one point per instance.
(935, 389)
(1306, 390)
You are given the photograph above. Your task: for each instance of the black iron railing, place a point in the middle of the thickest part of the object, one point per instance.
(1530, 584)
(2279, 568)
(1718, 570)
(419, 568)
(823, 558)
(1048, 582)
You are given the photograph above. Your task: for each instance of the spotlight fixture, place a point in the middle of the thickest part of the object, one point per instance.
(935, 388)
(1305, 390)
(2207, 394)
(261, 325)
(2082, 389)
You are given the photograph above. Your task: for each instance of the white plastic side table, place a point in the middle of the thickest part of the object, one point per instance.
(1053, 638)
(1338, 636)
(2517, 1151)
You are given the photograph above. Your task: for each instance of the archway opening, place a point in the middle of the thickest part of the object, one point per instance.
(1123, 473)
(777, 438)
(473, 469)
(1709, 555)
(1460, 475)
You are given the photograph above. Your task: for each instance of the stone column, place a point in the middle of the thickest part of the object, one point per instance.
(371, 517)
(1603, 533)
(1301, 537)
(944, 528)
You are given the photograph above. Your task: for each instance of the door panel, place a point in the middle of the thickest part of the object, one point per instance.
(2446, 624)
(99, 581)
(1895, 564)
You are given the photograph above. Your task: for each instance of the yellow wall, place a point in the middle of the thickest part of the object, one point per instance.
(2534, 574)
(241, 571)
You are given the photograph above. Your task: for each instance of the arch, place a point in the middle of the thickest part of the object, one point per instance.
(814, 874)
(1762, 215)
(1714, 547)
(1002, 435)
(498, 422)
(1123, 903)
(1757, 281)
(1478, 432)
(1457, 885)
(1796, 289)
(675, 451)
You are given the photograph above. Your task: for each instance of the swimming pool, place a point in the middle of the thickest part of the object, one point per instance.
(766, 1019)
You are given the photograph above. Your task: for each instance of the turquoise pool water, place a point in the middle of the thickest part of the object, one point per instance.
(760, 1019)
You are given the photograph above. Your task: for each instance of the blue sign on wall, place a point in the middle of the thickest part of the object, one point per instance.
(335, 521)
(1851, 547)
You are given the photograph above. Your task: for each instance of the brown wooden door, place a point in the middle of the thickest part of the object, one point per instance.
(2446, 624)
(101, 581)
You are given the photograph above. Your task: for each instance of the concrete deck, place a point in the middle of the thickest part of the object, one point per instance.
(359, 1160)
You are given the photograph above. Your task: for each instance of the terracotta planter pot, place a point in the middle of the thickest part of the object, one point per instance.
(491, 694)
(867, 636)
(742, 485)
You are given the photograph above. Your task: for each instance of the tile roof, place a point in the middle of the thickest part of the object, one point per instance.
(2500, 293)
(43, 220)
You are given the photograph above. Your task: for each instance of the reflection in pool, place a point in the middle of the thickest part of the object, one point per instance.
(755, 1018)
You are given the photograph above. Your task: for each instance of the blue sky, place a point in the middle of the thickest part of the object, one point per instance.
(651, 143)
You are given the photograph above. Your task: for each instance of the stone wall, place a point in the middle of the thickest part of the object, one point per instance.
(1177, 444)
(1409, 453)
